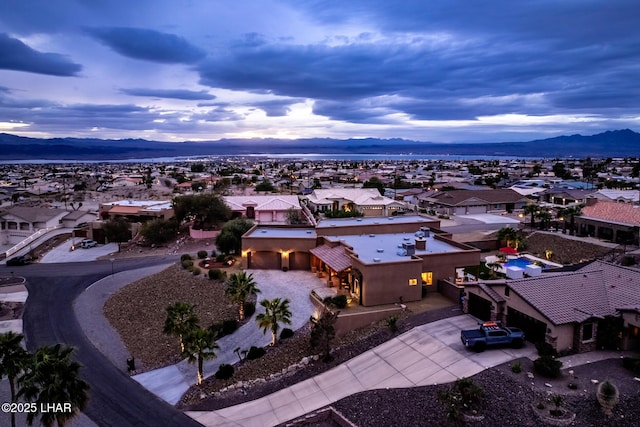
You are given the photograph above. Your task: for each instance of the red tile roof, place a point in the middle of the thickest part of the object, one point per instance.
(621, 213)
(334, 257)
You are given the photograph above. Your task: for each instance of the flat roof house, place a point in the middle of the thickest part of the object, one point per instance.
(374, 260)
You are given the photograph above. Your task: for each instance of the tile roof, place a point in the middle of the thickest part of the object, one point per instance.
(459, 197)
(622, 284)
(621, 213)
(280, 202)
(491, 293)
(33, 214)
(335, 257)
(359, 196)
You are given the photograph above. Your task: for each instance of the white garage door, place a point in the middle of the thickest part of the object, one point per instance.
(265, 217)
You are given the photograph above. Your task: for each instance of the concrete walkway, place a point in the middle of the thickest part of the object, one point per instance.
(426, 355)
(171, 382)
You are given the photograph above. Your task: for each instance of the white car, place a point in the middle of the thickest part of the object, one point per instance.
(86, 243)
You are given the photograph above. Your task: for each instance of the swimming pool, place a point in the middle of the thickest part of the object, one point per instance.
(518, 262)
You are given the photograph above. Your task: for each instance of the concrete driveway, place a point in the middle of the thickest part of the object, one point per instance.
(427, 355)
(63, 252)
(171, 382)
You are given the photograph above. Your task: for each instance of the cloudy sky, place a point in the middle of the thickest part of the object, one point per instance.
(437, 70)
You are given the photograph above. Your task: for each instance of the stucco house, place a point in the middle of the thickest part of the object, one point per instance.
(565, 309)
(18, 222)
(373, 260)
(367, 201)
(269, 209)
(463, 202)
(618, 222)
(137, 210)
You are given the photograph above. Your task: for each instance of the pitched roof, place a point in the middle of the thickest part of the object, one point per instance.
(459, 197)
(34, 214)
(335, 257)
(620, 213)
(490, 292)
(622, 284)
(274, 203)
(359, 196)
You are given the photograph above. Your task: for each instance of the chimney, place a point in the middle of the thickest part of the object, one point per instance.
(591, 201)
(421, 244)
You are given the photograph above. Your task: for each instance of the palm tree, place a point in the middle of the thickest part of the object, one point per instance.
(199, 345)
(181, 318)
(532, 209)
(323, 332)
(275, 311)
(52, 377)
(545, 219)
(239, 288)
(509, 236)
(13, 360)
(494, 267)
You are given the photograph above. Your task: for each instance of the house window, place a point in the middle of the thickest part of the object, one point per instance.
(587, 332)
(507, 291)
(413, 282)
(427, 278)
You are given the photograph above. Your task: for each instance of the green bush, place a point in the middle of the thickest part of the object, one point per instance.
(185, 257)
(229, 326)
(255, 352)
(516, 367)
(224, 372)
(339, 301)
(286, 333)
(547, 366)
(249, 309)
(196, 271)
(392, 323)
(220, 258)
(214, 254)
(216, 274)
(463, 395)
(202, 254)
(545, 349)
(186, 263)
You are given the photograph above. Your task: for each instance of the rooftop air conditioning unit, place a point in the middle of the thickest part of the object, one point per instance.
(377, 260)
(410, 248)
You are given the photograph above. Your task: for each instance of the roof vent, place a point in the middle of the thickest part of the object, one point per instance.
(406, 238)
(379, 250)
(309, 232)
(359, 219)
(372, 235)
(377, 260)
(263, 231)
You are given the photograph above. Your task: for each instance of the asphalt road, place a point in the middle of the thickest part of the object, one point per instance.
(115, 399)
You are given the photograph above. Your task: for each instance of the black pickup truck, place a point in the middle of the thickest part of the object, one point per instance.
(492, 334)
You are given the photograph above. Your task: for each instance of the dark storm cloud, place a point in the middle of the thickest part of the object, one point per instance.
(277, 107)
(17, 56)
(148, 45)
(188, 95)
(218, 114)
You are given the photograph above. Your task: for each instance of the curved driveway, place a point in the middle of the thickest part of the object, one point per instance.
(49, 318)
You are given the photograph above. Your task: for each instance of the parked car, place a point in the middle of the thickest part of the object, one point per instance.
(87, 243)
(492, 334)
(19, 260)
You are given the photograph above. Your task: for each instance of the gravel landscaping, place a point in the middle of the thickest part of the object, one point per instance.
(565, 250)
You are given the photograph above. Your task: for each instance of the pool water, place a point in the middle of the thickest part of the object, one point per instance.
(518, 262)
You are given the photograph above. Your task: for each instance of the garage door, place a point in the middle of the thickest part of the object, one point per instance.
(534, 329)
(264, 260)
(479, 307)
(300, 261)
(460, 210)
(476, 210)
(265, 217)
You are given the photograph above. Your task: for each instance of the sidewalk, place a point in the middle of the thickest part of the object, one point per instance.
(426, 355)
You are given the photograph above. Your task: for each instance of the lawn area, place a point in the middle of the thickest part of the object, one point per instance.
(138, 312)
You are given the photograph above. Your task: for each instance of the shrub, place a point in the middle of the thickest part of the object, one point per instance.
(463, 395)
(214, 254)
(286, 333)
(229, 326)
(547, 366)
(540, 405)
(190, 268)
(186, 263)
(220, 258)
(216, 274)
(202, 254)
(224, 372)
(249, 309)
(255, 352)
(185, 257)
(632, 364)
(572, 386)
(516, 367)
(545, 349)
(392, 323)
(339, 301)
(196, 271)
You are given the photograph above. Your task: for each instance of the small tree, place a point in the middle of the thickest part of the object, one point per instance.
(323, 332)
(159, 230)
(199, 345)
(266, 186)
(276, 312)
(181, 318)
(117, 230)
(241, 286)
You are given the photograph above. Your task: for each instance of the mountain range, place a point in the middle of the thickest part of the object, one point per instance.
(617, 143)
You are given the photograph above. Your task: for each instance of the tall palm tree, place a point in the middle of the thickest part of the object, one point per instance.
(494, 267)
(181, 318)
(52, 377)
(532, 209)
(239, 288)
(509, 236)
(13, 360)
(545, 219)
(276, 311)
(199, 345)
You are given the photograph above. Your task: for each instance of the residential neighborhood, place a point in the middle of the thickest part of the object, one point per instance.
(389, 239)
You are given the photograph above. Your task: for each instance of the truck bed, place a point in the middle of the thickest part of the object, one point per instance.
(472, 334)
